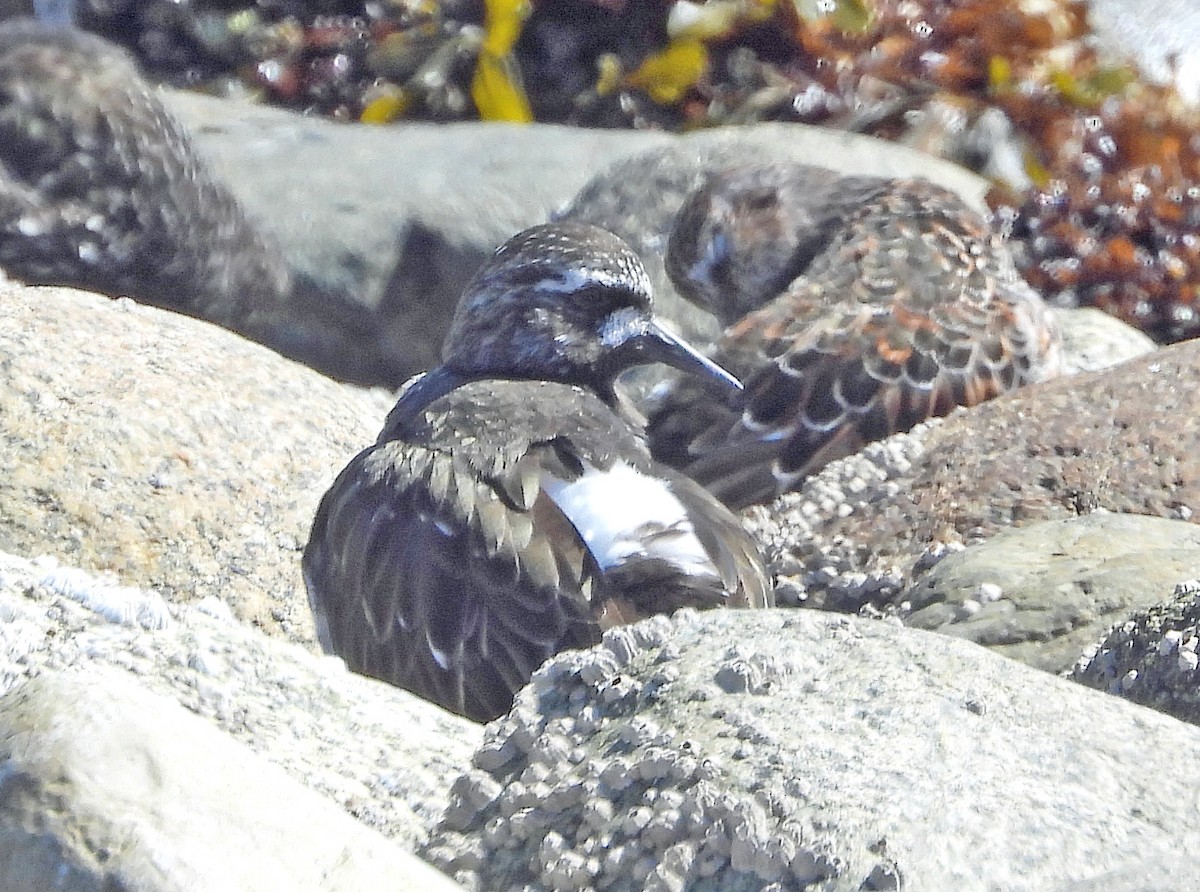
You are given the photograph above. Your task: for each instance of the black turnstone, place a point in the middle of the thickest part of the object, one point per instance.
(101, 189)
(856, 307)
(507, 510)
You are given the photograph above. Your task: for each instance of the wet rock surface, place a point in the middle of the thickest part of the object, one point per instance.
(793, 749)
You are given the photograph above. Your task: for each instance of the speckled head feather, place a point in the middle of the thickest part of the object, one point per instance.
(506, 511)
(747, 231)
(566, 302)
(899, 304)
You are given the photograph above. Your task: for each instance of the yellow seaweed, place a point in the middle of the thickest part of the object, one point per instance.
(1095, 88)
(496, 87)
(497, 92)
(385, 108)
(667, 75)
(1000, 73)
(503, 20)
(848, 16)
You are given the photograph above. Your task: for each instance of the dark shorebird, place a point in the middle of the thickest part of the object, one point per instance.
(101, 189)
(856, 307)
(507, 510)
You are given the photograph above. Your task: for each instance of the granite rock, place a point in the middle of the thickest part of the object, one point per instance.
(381, 754)
(1042, 593)
(797, 749)
(106, 786)
(169, 451)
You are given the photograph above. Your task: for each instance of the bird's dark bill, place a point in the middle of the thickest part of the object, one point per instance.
(656, 344)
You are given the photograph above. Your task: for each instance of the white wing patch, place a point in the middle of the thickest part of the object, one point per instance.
(623, 513)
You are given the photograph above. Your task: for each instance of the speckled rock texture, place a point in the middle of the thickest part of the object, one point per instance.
(1152, 657)
(106, 786)
(383, 755)
(1121, 440)
(180, 456)
(796, 749)
(1042, 593)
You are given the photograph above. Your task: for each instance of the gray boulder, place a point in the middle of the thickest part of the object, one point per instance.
(105, 786)
(795, 749)
(382, 755)
(178, 455)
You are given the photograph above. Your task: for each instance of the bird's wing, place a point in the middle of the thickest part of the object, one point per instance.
(430, 576)
(895, 328)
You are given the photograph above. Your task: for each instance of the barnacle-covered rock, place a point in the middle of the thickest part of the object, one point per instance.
(862, 756)
(1152, 658)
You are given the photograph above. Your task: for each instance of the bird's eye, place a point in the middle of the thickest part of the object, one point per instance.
(759, 200)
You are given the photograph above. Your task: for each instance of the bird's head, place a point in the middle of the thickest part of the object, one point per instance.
(565, 302)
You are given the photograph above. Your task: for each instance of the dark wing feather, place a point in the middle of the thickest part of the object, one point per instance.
(426, 575)
(913, 316)
(745, 581)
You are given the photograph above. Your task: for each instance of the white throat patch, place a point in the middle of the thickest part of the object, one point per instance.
(620, 325)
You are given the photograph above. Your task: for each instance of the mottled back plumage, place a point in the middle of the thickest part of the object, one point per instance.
(506, 511)
(898, 303)
(101, 189)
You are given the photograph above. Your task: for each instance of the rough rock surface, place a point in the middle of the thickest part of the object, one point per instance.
(106, 786)
(180, 456)
(1094, 340)
(1042, 593)
(772, 749)
(1152, 658)
(385, 756)
(1120, 440)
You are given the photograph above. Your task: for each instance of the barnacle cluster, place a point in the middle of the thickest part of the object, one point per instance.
(1096, 168)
